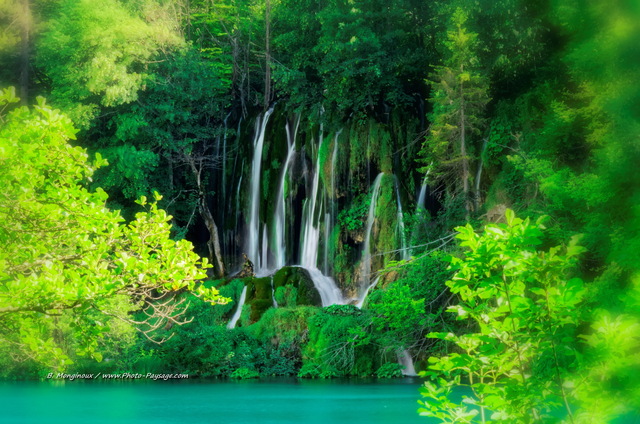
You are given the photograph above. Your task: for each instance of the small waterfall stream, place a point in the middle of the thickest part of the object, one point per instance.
(280, 212)
(404, 250)
(422, 196)
(238, 312)
(365, 279)
(362, 298)
(404, 359)
(253, 231)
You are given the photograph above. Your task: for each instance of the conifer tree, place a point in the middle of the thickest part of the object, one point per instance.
(459, 97)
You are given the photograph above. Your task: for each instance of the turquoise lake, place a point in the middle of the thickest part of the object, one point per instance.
(278, 401)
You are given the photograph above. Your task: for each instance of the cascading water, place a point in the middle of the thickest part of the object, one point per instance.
(264, 254)
(362, 298)
(311, 232)
(365, 279)
(253, 231)
(280, 212)
(236, 314)
(404, 359)
(330, 206)
(327, 237)
(422, 196)
(273, 294)
(404, 250)
(329, 292)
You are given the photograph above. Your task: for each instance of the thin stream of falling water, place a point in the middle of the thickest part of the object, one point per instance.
(404, 252)
(362, 298)
(254, 213)
(280, 216)
(405, 359)
(365, 279)
(238, 312)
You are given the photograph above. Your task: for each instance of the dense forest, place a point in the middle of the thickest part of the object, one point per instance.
(331, 188)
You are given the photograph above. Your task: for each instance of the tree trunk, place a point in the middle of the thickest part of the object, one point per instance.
(213, 244)
(476, 199)
(463, 153)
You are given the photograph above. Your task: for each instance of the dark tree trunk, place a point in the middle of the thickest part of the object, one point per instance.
(213, 244)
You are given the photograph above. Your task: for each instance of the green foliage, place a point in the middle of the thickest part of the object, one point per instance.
(389, 370)
(286, 296)
(66, 259)
(459, 96)
(351, 53)
(606, 384)
(95, 54)
(354, 217)
(521, 347)
(404, 310)
(244, 373)
(339, 344)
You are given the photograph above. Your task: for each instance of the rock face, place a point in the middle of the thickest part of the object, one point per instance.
(247, 268)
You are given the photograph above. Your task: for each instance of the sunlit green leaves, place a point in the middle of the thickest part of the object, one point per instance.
(65, 256)
(524, 310)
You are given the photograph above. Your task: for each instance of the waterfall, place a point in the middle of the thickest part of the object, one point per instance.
(264, 254)
(236, 315)
(404, 359)
(330, 294)
(404, 251)
(280, 212)
(253, 232)
(366, 250)
(422, 196)
(237, 214)
(311, 233)
(362, 298)
(327, 239)
(330, 211)
(273, 294)
(329, 291)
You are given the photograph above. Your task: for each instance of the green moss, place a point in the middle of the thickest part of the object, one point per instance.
(259, 307)
(286, 296)
(386, 217)
(299, 279)
(324, 156)
(284, 326)
(260, 288)
(353, 217)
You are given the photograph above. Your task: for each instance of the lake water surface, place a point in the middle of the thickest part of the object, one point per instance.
(277, 401)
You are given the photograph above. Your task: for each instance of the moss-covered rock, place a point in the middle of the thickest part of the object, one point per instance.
(300, 279)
